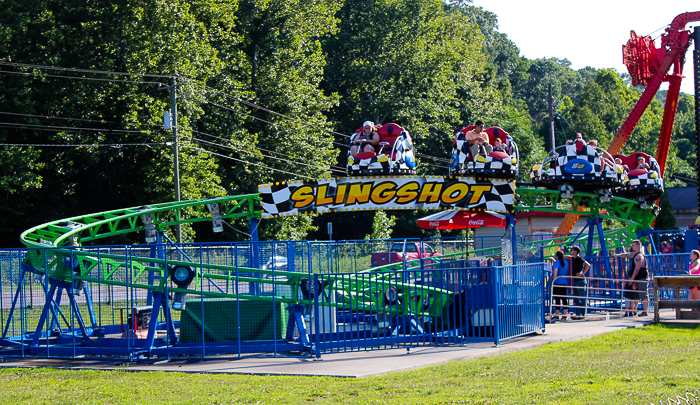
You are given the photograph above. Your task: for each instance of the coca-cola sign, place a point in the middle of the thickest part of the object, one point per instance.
(476, 222)
(434, 223)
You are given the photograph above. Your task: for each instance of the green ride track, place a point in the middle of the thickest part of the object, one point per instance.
(60, 249)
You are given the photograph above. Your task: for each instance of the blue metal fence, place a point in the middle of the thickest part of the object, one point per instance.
(121, 301)
(608, 274)
(519, 297)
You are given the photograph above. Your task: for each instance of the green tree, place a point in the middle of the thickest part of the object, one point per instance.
(533, 78)
(501, 52)
(172, 38)
(411, 63)
(665, 219)
(275, 81)
(382, 226)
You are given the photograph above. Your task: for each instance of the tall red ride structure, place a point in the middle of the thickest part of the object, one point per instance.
(650, 66)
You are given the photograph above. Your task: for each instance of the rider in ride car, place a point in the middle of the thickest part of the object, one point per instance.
(498, 145)
(641, 163)
(366, 140)
(478, 140)
(624, 166)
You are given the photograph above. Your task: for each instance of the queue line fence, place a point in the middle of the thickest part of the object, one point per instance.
(120, 302)
(605, 282)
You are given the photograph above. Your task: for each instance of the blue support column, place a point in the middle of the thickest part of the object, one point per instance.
(589, 224)
(44, 313)
(68, 286)
(55, 311)
(603, 247)
(157, 252)
(648, 233)
(91, 307)
(510, 221)
(160, 300)
(691, 240)
(78, 316)
(255, 251)
(14, 303)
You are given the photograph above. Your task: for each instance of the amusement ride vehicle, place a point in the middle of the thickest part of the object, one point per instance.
(394, 153)
(650, 65)
(643, 184)
(499, 163)
(579, 167)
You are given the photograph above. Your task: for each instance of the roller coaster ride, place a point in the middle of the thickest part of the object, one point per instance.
(61, 252)
(66, 256)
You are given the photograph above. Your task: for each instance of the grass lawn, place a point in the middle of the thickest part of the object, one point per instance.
(634, 366)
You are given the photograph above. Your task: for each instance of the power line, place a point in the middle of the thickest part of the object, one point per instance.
(259, 107)
(82, 145)
(105, 130)
(95, 79)
(244, 161)
(685, 179)
(250, 104)
(60, 118)
(84, 70)
(257, 146)
(68, 129)
(269, 157)
(342, 145)
(261, 119)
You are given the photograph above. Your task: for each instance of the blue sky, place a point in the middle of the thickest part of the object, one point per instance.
(589, 33)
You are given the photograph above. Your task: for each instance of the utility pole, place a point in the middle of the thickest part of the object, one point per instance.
(176, 163)
(551, 116)
(696, 76)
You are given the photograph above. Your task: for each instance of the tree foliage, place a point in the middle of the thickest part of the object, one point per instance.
(267, 89)
(382, 226)
(665, 219)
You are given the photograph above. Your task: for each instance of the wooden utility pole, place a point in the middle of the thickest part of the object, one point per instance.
(176, 152)
(551, 117)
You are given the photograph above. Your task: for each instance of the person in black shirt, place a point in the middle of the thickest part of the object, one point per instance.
(366, 140)
(579, 267)
(637, 280)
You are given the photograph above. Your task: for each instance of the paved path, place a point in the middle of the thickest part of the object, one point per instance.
(366, 363)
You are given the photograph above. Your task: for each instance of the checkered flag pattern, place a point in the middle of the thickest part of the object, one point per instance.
(571, 152)
(461, 148)
(643, 180)
(588, 153)
(490, 164)
(395, 159)
(275, 199)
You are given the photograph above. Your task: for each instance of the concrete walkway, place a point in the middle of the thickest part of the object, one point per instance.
(362, 364)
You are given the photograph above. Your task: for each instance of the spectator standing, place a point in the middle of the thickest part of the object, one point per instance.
(579, 267)
(666, 248)
(637, 280)
(560, 285)
(694, 270)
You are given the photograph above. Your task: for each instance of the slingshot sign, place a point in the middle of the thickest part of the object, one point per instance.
(386, 193)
